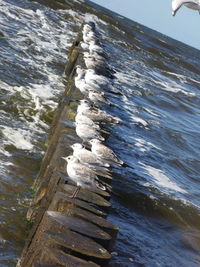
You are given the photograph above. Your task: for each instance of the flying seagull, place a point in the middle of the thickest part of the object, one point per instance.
(177, 4)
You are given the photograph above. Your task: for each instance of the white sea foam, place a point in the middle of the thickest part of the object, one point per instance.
(152, 112)
(169, 85)
(72, 13)
(39, 40)
(20, 138)
(139, 120)
(143, 145)
(161, 179)
(90, 17)
(180, 77)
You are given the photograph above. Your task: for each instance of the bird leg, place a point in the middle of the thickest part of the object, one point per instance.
(76, 191)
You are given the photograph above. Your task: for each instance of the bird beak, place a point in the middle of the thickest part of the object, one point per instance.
(64, 158)
(174, 12)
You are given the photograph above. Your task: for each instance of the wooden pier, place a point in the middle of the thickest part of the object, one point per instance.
(66, 231)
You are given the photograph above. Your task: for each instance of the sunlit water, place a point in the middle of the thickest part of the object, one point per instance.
(157, 202)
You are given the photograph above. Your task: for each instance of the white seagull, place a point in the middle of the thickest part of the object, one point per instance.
(85, 87)
(79, 79)
(82, 119)
(92, 78)
(81, 85)
(83, 106)
(86, 29)
(84, 46)
(94, 47)
(104, 153)
(177, 4)
(82, 175)
(93, 63)
(89, 159)
(90, 37)
(94, 55)
(94, 114)
(87, 133)
(98, 98)
(87, 156)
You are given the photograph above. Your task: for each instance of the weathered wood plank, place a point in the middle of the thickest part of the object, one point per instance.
(73, 241)
(78, 225)
(55, 257)
(109, 227)
(61, 202)
(88, 196)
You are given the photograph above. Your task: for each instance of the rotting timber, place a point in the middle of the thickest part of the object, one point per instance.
(66, 231)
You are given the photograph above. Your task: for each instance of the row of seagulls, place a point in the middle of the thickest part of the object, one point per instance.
(87, 167)
(93, 53)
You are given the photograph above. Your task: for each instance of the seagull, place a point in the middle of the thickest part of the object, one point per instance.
(80, 71)
(89, 26)
(98, 65)
(94, 63)
(98, 98)
(81, 85)
(83, 106)
(94, 55)
(89, 159)
(79, 79)
(82, 175)
(86, 29)
(177, 4)
(86, 156)
(80, 118)
(84, 46)
(104, 153)
(92, 78)
(84, 86)
(87, 133)
(90, 37)
(96, 115)
(94, 47)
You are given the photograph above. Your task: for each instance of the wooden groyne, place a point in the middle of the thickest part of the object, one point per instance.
(66, 231)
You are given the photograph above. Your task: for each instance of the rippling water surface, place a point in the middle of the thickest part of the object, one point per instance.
(157, 202)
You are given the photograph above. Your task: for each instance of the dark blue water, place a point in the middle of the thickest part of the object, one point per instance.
(157, 201)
